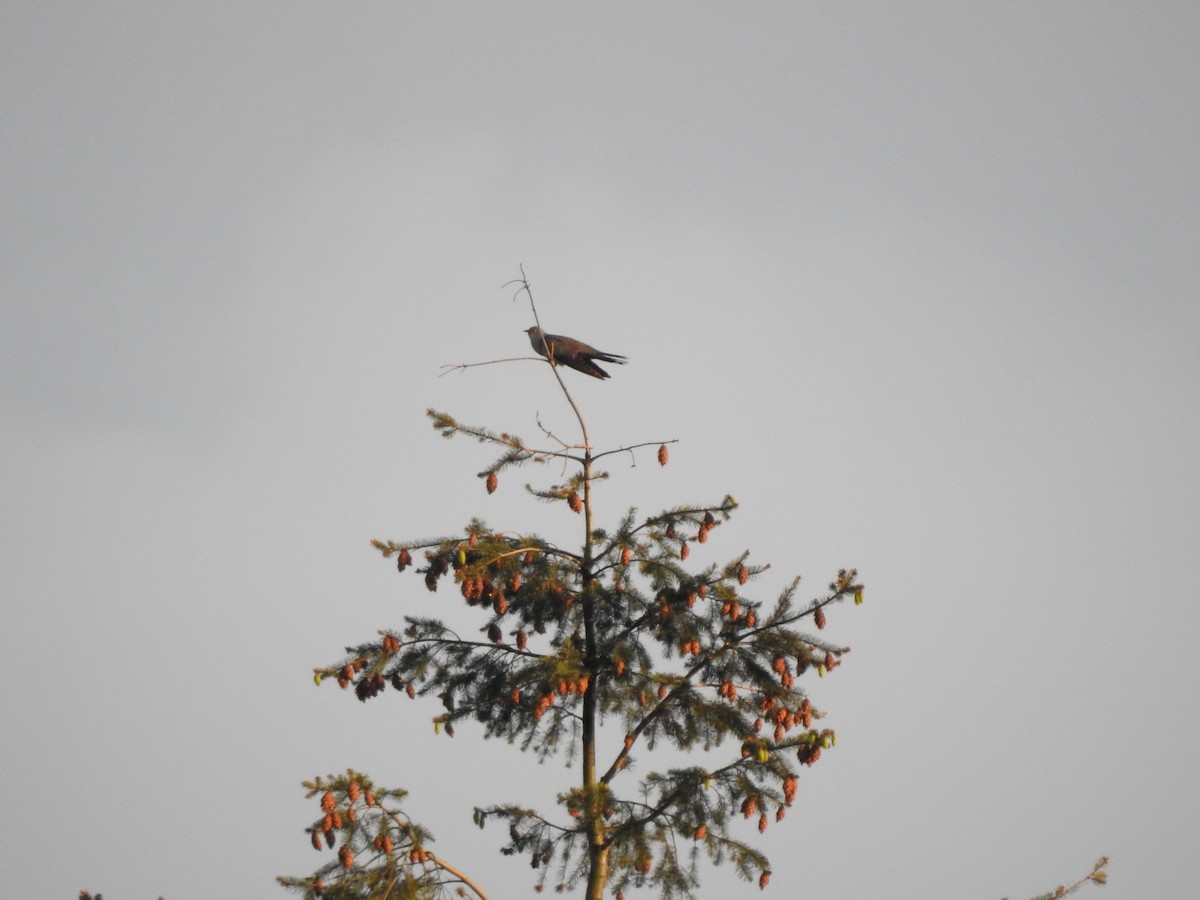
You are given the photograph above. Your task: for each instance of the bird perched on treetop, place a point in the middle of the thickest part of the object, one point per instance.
(571, 353)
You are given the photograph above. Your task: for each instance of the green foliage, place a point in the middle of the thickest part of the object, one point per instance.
(623, 631)
(379, 851)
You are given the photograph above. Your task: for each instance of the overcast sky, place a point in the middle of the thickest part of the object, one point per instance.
(916, 283)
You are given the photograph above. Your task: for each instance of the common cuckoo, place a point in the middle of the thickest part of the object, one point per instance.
(571, 353)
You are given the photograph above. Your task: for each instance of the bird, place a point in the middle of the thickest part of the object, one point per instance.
(571, 353)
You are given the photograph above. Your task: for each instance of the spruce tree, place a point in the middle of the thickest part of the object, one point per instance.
(616, 632)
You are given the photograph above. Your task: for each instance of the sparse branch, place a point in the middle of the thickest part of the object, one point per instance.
(775, 624)
(521, 451)
(1096, 876)
(630, 448)
(457, 367)
(513, 812)
(457, 873)
(565, 446)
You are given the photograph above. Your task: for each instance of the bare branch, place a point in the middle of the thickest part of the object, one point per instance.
(457, 873)
(633, 447)
(452, 367)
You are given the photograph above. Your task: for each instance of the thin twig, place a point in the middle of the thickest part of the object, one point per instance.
(633, 447)
(451, 367)
(550, 434)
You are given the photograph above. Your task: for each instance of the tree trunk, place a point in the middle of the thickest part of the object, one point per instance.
(594, 814)
(597, 872)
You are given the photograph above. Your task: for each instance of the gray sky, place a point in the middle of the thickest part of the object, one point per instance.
(917, 286)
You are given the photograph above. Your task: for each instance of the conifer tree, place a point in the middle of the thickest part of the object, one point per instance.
(616, 632)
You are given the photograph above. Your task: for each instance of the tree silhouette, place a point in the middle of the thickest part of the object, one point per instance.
(616, 632)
